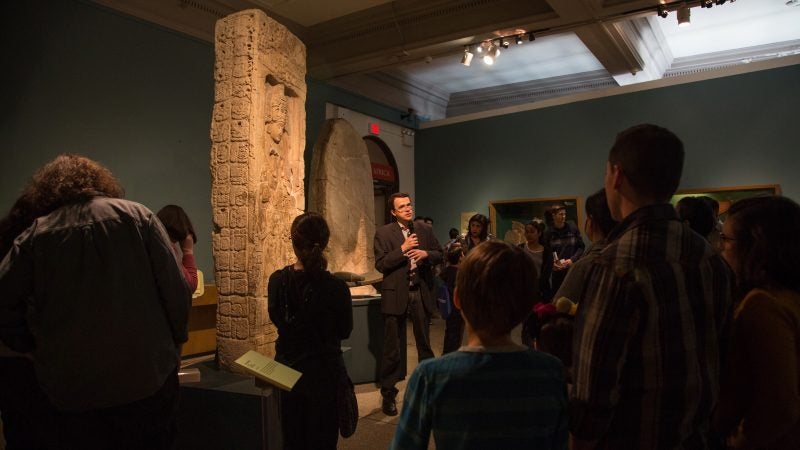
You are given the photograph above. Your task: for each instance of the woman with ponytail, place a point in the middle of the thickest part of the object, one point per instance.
(313, 312)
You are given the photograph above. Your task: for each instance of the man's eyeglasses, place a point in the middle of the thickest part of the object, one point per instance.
(403, 207)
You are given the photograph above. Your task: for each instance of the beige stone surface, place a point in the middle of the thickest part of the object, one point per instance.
(257, 169)
(340, 188)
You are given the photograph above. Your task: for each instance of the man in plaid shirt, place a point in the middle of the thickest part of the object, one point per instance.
(652, 313)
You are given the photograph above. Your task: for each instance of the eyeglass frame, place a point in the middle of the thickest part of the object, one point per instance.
(403, 207)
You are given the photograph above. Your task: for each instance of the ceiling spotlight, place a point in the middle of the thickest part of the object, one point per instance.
(706, 3)
(504, 43)
(684, 19)
(467, 58)
(531, 37)
(491, 55)
(519, 39)
(663, 11)
(482, 46)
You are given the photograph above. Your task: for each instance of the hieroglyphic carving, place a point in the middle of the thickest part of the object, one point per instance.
(340, 188)
(257, 168)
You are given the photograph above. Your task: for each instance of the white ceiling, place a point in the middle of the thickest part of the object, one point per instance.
(732, 26)
(407, 53)
(546, 57)
(724, 28)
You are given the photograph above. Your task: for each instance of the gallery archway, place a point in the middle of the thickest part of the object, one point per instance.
(384, 177)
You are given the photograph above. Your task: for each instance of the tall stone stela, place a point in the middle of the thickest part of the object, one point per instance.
(257, 168)
(340, 189)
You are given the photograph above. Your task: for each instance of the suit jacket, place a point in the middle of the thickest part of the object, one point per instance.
(393, 264)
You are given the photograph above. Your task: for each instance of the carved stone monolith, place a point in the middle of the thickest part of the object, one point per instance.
(340, 189)
(258, 139)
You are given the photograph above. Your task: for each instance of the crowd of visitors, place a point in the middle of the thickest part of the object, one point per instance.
(674, 329)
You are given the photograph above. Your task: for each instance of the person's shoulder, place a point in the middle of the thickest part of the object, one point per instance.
(537, 360)
(760, 300)
(334, 283)
(105, 207)
(121, 203)
(583, 263)
(433, 366)
(386, 228)
(278, 274)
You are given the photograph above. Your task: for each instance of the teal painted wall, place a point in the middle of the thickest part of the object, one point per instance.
(133, 96)
(81, 78)
(738, 130)
(138, 98)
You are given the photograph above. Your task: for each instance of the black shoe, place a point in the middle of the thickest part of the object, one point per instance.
(389, 406)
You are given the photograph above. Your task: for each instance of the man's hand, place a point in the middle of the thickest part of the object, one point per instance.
(417, 255)
(411, 242)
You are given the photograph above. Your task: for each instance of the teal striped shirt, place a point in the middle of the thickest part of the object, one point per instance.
(485, 399)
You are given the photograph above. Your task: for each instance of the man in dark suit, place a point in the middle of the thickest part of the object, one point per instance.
(405, 253)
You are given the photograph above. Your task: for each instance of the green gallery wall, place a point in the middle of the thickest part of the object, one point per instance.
(737, 130)
(137, 97)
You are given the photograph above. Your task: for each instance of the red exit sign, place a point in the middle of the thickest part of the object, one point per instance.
(374, 128)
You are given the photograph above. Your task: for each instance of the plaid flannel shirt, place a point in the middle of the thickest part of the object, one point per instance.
(648, 336)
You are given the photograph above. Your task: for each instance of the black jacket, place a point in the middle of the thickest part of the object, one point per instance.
(393, 264)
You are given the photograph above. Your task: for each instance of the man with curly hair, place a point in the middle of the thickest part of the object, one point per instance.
(91, 293)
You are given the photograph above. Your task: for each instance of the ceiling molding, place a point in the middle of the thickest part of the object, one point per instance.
(620, 90)
(401, 32)
(651, 46)
(399, 91)
(718, 60)
(396, 33)
(526, 92)
(196, 18)
(372, 52)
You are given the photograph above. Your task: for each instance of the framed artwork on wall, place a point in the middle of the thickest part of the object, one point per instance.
(508, 217)
(726, 196)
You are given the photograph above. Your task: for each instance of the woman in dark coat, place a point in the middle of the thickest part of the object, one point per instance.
(313, 312)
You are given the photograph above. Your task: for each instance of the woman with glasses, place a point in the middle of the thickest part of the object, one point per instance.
(759, 403)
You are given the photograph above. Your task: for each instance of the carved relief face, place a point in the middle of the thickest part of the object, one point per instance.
(277, 113)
